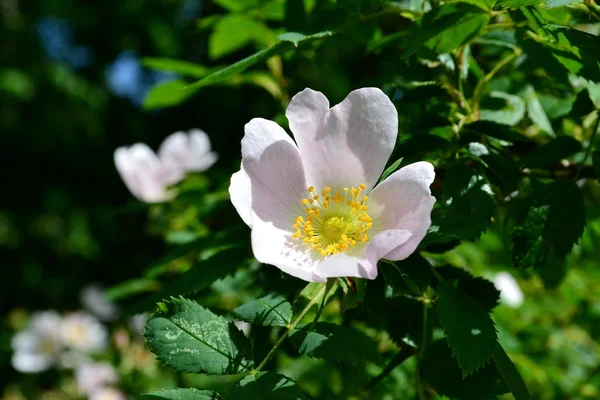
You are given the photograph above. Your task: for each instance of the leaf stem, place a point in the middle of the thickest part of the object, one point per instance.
(487, 78)
(312, 302)
(510, 374)
(592, 140)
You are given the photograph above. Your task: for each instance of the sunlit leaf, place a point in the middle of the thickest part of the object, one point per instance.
(190, 338)
(469, 328)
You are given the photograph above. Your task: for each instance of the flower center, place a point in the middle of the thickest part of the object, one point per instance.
(335, 221)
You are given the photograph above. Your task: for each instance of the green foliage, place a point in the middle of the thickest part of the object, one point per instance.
(266, 386)
(183, 394)
(446, 28)
(334, 343)
(470, 330)
(190, 338)
(268, 311)
(442, 372)
(552, 152)
(166, 94)
(545, 231)
(200, 275)
(596, 161)
(285, 42)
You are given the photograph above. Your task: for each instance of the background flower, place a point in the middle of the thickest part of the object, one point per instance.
(83, 332)
(38, 347)
(187, 151)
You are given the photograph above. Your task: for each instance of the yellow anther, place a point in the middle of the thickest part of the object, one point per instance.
(335, 222)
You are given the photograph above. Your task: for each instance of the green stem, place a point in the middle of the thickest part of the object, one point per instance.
(331, 285)
(510, 374)
(290, 327)
(487, 78)
(421, 354)
(436, 274)
(591, 145)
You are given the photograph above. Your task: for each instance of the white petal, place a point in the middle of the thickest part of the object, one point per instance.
(365, 265)
(95, 375)
(348, 144)
(26, 341)
(93, 298)
(240, 193)
(274, 168)
(188, 152)
(510, 292)
(144, 174)
(276, 247)
(30, 362)
(404, 201)
(45, 323)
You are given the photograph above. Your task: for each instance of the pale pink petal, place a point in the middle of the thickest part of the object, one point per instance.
(144, 174)
(276, 247)
(404, 201)
(188, 152)
(363, 265)
(348, 144)
(240, 193)
(274, 168)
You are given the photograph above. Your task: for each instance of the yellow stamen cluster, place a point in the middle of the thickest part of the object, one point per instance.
(335, 221)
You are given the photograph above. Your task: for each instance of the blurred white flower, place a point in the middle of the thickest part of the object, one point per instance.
(93, 298)
(144, 174)
(242, 326)
(187, 151)
(147, 175)
(510, 292)
(92, 377)
(37, 348)
(138, 323)
(83, 332)
(107, 393)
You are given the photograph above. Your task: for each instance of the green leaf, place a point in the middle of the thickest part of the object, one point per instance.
(413, 273)
(177, 66)
(130, 288)
(267, 311)
(566, 219)
(552, 222)
(442, 373)
(444, 29)
(190, 338)
(536, 112)
(184, 394)
(469, 328)
(495, 130)
(235, 31)
(297, 38)
(514, 4)
(335, 343)
(286, 42)
(552, 152)
(200, 275)
(266, 386)
(503, 108)
(511, 375)
(167, 94)
(479, 289)
(501, 170)
(596, 161)
(391, 169)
